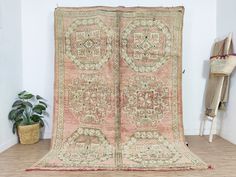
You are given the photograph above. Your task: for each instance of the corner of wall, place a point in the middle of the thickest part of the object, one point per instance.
(11, 60)
(10, 142)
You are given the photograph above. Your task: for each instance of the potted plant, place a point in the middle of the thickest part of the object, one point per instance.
(27, 116)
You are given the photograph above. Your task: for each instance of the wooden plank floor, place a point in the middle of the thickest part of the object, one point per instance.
(221, 154)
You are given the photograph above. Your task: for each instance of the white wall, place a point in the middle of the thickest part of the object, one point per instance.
(226, 23)
(10, 66)
(199, 32)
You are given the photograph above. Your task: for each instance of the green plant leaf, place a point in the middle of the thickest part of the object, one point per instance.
(39, 97)
(39, 106)
(28, 104)
(12, 114)
(21, 93)
(15, 125)
(26, 96)
(38, 111)
(25, 120)
(15, 114)
(36, 117)
(19, 113)
(41, 122)
(17, 103)
(31, 122)
(43, 103)
(14, 128)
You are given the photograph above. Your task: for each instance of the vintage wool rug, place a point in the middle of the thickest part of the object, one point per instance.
(117, 91)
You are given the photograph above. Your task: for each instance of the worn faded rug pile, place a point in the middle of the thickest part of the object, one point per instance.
(117, 97)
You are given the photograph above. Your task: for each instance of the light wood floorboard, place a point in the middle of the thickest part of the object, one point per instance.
(221, 154)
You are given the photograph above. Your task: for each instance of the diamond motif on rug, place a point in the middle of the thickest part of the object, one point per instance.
(151, 42)
(88, 43)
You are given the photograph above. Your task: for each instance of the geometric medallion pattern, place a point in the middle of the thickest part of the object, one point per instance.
(89, 98)
(146, 100)
(88, 146)
(146, 44)
(88, 43)
(150, 149)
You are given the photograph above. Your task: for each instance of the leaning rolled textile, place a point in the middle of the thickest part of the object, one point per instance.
(222, 63)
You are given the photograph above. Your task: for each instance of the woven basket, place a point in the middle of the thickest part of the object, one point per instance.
(223, 65)
(29, 134)
(223, 59)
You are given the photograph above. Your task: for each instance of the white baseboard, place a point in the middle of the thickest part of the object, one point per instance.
(228, 137)
(47, 135)
(14, 140)
(8, 144)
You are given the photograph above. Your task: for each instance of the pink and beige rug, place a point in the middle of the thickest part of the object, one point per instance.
(117, 102)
